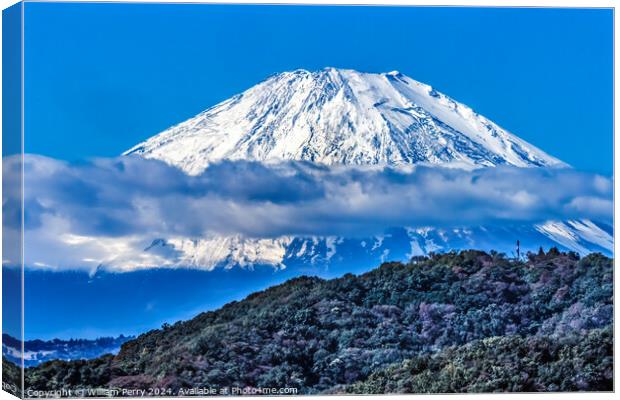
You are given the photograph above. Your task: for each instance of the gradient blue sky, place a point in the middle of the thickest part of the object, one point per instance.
(102, 77)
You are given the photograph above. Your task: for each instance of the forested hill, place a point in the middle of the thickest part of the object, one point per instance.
(544, 324)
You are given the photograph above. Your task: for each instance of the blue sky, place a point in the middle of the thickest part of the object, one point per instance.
(102, 77)
(111, 304)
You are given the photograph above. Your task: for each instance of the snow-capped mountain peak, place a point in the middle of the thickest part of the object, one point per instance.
(339, 116)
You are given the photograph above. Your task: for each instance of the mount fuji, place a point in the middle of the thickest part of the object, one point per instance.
(344, 117)
(341, 117)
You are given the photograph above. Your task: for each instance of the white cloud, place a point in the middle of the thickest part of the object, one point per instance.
(110, 210)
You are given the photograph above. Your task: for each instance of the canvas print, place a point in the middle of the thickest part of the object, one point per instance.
(221, 199)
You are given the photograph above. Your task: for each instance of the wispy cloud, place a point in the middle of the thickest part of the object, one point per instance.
(77, 212)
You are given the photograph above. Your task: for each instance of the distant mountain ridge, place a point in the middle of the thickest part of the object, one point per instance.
(38, 351)
(339, 116)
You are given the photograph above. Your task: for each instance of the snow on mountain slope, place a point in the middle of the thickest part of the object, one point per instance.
(578, 236)
(337, 116)
(222, 251)
(397, 244)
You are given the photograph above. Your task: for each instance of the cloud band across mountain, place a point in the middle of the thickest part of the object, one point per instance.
(124, 203)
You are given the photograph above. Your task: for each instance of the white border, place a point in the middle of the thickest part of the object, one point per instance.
(447, 3)
(497, 3)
